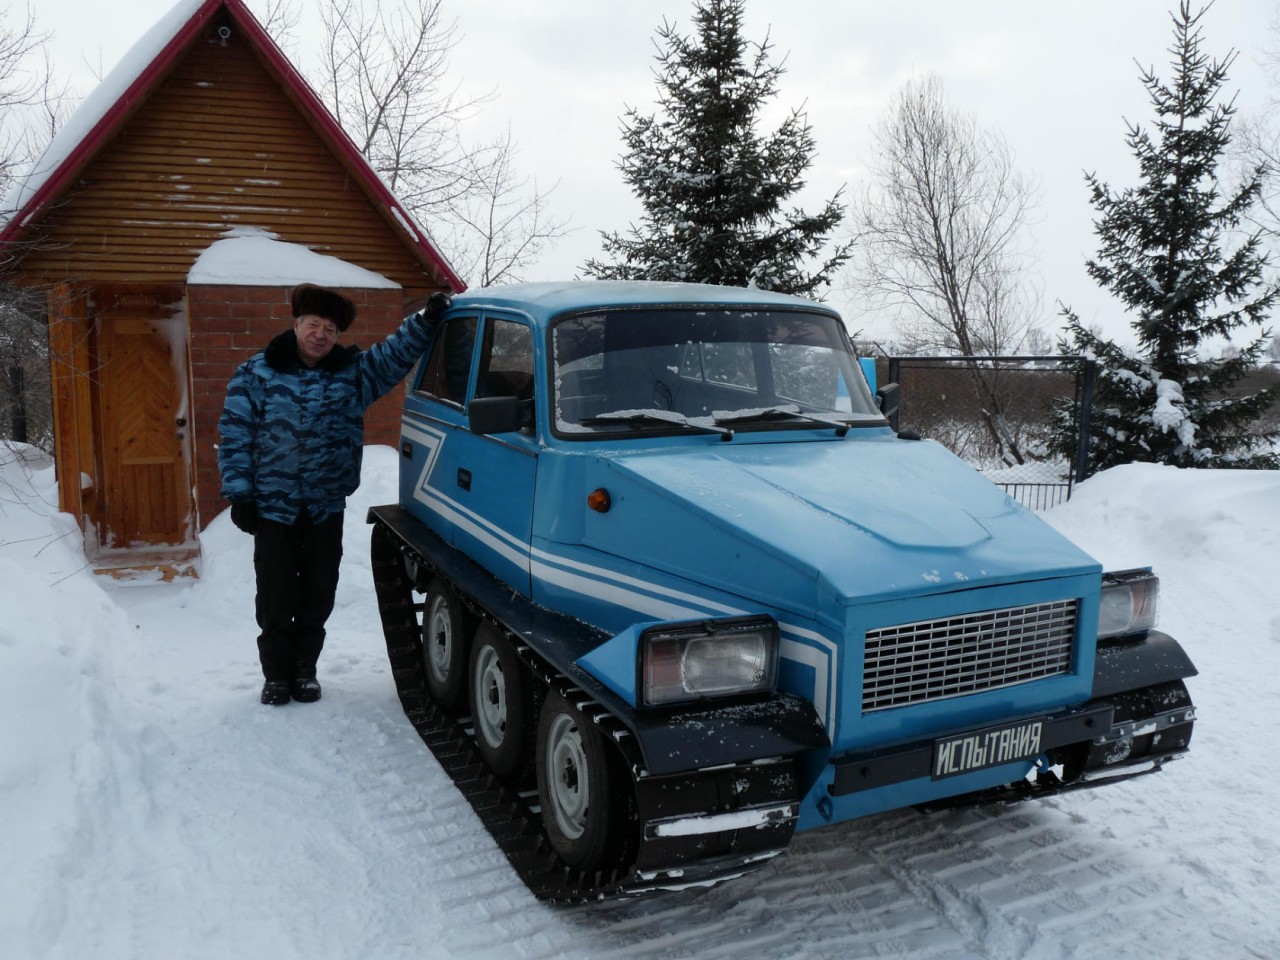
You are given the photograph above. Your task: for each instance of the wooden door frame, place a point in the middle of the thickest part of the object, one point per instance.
(76, 459)
(103, 299)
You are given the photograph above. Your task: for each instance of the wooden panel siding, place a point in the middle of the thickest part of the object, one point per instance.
(218, 145)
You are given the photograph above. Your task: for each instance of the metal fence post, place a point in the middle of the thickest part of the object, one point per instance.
(1088, 372)
(895, 374)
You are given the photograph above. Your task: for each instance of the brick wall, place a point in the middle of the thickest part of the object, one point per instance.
(229, 324)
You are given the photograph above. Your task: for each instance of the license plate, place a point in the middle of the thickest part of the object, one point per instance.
(981, 749)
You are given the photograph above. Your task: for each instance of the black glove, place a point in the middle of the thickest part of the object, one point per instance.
(244, 514)
(437, 304)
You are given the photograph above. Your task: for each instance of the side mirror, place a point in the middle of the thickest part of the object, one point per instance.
(496, 414)
(887, 397)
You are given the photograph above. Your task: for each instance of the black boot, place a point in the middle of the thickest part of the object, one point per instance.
(305, 689)
(275, 692)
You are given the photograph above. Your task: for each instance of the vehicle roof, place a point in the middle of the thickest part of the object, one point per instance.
(542, 301)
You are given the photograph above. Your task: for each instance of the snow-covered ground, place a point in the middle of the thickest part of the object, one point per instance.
(150, 807)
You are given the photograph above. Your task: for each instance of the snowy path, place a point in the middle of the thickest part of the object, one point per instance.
(328, 830)
(207, 826)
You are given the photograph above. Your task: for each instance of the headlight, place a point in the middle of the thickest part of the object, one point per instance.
(708, 658)
(1128, 603)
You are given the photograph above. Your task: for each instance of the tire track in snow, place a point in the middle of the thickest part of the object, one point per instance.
(404, 869)
(990, 883)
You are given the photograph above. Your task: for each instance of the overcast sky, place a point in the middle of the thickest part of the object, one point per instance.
(1058, 79)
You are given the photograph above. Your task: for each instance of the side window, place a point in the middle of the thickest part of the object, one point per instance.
(449, 367)
(728, 363)
(806, 374)
(506, 361)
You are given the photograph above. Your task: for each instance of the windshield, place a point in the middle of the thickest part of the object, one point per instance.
(675, 370)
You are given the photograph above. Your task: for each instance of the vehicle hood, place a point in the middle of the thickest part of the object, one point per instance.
(865, 517)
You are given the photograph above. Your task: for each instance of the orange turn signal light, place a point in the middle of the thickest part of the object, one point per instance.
(598, 500)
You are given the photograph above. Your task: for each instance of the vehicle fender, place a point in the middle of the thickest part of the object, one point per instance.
(1130, 664)
(673, 740)
(710, 734)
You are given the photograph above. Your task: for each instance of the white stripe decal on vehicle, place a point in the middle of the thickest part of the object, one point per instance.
(598, 588)
(590, 569)
(657, 601)
(433, 441)
(823, 661)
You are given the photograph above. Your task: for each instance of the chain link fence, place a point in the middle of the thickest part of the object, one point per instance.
(995, 413)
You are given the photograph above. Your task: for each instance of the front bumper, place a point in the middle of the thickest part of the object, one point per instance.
(1151, 725)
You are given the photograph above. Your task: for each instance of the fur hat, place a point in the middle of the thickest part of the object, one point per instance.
(322, 302)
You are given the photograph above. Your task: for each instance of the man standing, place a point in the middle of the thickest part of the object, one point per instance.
(292, 439)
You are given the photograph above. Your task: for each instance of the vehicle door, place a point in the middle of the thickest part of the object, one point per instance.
(433, 427)
(475, 491)
(493, 499)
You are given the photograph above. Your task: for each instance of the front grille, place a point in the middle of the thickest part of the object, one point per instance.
(936, 659)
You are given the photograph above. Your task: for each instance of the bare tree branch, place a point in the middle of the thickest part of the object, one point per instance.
(940, 239)
(940, 234)
(508, 224)
(30, 104)
(32, 107)
(1257, 144)
(385, 76)
(280, 19)
(386, 82)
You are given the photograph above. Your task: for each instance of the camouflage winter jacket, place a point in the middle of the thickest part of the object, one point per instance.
(292, 437)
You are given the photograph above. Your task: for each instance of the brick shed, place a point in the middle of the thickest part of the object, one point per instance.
(204, 140)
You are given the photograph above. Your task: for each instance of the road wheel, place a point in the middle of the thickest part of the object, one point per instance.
(445, 629)
(573, 783)
(503, 704)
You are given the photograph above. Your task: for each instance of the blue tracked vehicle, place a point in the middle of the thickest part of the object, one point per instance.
(663, 587)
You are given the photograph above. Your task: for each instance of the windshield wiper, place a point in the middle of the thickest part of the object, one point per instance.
(841, 427)
(665, 417)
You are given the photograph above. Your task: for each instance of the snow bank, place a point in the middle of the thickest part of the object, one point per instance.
(57, 628)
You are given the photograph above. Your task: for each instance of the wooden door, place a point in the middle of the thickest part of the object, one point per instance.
(142, 421)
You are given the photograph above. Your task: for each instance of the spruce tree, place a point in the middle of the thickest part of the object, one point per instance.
(1169, 254)
(711, 187)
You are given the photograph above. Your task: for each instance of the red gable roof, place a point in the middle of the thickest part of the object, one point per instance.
(58, 179)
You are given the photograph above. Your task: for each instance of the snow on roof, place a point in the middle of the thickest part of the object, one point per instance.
(99, 103)
(253, 257)
(105, 105)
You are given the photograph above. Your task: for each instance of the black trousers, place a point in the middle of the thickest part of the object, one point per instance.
(297, 575)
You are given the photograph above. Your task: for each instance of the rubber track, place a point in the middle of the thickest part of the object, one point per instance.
(513, 823)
